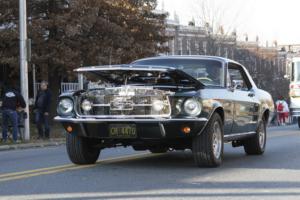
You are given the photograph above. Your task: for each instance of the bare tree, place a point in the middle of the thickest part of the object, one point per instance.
(219, 15)
(221, 22)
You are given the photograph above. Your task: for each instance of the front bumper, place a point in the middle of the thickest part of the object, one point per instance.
(295, 106)
(295, 112)
(156, 128)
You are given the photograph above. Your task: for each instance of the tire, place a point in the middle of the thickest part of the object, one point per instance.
(298, 119)
(81, 150)
(208, 146)
(256, 145)
(158, 149)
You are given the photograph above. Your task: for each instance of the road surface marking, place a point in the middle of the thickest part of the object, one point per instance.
(62, 168)
(32, 171)
(189, 193)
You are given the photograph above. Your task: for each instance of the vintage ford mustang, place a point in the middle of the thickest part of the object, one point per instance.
(166, 103)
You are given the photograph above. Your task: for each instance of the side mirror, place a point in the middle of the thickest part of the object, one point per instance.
(287, 76)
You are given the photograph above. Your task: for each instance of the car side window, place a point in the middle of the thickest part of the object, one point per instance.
(237, 77)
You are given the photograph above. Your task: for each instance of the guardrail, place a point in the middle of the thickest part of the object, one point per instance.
(64, 87)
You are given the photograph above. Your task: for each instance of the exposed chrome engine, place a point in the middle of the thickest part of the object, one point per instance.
(124, 101)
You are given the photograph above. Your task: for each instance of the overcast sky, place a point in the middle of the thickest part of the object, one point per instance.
(269, 19)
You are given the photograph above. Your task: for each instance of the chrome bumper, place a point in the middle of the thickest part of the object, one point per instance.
(295, 112)
(98, 120)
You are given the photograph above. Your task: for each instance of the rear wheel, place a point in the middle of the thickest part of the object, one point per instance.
(256, 145)
(298, 122)
(81, 150)
(208, 146)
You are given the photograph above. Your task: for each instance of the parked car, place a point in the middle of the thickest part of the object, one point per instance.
(162, 103)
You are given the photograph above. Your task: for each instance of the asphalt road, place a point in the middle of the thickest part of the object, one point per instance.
(122, 173)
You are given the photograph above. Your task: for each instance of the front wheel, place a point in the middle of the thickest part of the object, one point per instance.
(81, 150)
(256, 145)
(208, 146)
(298, 122)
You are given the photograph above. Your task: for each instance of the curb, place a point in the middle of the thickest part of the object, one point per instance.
(31, 145)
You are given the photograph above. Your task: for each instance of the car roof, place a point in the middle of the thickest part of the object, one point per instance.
(221, 59)
(134, 66)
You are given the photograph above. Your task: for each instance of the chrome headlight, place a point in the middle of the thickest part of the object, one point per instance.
(158, 105)
(65, 106)
(86, 105)
(178, 106)
(192, 107)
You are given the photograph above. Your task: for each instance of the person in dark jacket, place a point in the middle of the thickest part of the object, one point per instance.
(12, 100)
(42, 109)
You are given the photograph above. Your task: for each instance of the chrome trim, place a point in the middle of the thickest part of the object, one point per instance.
(97, 120)
(101, 105)
(126, 116)
(125, 67)
(108, 105)
(295, 112)
(239, 134)
(133, 105)
(103, 117)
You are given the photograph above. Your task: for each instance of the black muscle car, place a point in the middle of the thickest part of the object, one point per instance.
(163, 103)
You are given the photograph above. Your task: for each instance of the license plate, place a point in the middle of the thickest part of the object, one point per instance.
(122, 131)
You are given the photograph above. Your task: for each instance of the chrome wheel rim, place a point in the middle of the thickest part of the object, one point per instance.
(217, 140)
(262, 137)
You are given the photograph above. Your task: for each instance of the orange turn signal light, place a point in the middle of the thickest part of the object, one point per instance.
(186, 130)
(69, 129)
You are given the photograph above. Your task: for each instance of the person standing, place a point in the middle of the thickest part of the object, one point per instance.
(42, 109)
(12, 100)
(282, 110)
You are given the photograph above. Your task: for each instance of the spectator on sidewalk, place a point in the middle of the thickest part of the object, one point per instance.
(12, 101)
(42, 109)
(282, 109)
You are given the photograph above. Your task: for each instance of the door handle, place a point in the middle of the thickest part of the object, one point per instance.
(251, 94)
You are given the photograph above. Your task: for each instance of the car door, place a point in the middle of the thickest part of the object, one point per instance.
(245, 101)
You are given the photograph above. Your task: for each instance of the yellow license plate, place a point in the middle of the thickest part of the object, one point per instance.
(122, 131)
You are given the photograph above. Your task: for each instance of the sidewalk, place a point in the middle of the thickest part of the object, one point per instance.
(33, 144)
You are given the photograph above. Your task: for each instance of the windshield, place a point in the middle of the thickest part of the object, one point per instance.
(208, 72)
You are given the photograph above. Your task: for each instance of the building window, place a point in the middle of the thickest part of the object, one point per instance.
(173, 47)
(188, 46)
(205, 47)
(180, 48)
(197, 48)
(226, 52)
(219, 51)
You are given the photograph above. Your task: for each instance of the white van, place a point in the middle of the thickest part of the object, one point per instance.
(295, 88)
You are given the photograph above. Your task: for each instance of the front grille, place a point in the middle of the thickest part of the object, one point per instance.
(125, 101)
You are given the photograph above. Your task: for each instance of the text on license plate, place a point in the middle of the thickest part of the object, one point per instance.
(122, 131)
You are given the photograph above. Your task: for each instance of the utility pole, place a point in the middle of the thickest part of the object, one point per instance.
(34, 82)
(24, 62)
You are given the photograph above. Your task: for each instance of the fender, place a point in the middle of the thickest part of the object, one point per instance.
(213, 107)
